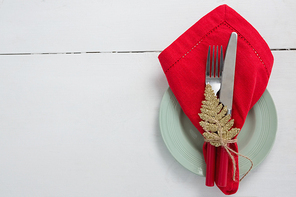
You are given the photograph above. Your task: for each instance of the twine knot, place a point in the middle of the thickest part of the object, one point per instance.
(217, 124)
(217, 140)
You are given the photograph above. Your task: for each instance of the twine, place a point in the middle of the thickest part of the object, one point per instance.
(224, 143)
(216, 138)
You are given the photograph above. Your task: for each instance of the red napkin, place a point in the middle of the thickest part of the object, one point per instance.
(184, 61)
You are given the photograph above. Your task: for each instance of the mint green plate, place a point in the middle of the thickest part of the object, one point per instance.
(185, 142)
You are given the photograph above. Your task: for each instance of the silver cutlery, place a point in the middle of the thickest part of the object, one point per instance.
(213, 77)
(226, 98)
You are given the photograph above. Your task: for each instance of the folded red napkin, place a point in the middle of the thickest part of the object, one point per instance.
(184, 61)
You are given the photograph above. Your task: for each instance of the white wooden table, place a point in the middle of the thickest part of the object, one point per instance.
(81, 87)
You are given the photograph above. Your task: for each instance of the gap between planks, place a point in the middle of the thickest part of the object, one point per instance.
(78, 52)
(93, 52)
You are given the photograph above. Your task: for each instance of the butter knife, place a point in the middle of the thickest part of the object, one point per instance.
(226, 98)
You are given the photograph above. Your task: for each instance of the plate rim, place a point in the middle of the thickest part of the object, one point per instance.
(200, 170)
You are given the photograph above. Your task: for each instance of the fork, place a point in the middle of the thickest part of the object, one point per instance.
(213, 77)
(213, 74)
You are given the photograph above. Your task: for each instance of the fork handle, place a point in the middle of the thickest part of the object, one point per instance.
(210, 169)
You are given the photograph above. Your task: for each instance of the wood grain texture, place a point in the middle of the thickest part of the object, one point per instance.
(37, 26)
(87, 125)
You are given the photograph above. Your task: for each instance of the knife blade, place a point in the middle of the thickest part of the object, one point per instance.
(226, 98)
(226, 91)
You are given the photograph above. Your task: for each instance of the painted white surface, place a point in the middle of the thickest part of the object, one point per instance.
(37, 26)
(87, 125)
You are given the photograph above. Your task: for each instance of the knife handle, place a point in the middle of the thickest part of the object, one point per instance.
(210, 169)
(223, 168)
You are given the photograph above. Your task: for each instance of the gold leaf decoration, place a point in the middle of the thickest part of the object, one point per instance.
(216, 122)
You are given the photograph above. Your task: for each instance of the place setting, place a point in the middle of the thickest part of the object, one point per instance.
(217, 118)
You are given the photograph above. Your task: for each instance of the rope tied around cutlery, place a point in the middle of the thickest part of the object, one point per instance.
(224, 143)
(218, 126)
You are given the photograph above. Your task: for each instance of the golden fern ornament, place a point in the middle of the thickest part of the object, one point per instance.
(216, 123)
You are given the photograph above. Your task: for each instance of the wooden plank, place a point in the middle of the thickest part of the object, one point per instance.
(79, 125)
(64, 25)
(87, 125)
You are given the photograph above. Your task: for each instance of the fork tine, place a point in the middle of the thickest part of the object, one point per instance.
(216, 67)
(212, 68)
(221, 61)
(213, 63)
(208, 62)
